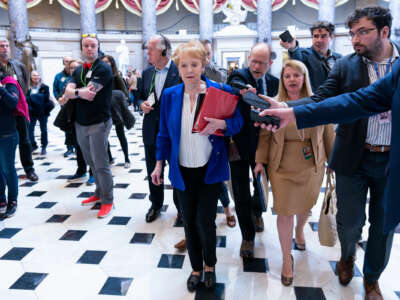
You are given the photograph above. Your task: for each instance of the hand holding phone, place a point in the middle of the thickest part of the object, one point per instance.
(286, 37)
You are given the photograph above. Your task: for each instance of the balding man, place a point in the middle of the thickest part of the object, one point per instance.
(162, 74)
(59, 84)
(246, 143)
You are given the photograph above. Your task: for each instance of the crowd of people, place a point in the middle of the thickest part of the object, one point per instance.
(94, 95)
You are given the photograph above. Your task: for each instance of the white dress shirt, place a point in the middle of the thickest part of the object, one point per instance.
(159, 80)
(194, 149)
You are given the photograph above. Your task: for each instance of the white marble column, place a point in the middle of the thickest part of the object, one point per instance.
(88, 16)
(264, 20)
(18, 16)
(149, 25)
(395, 11)
(206, 19)
(326, 11)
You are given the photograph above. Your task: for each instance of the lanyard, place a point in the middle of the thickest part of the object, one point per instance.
(389, 64)
(152, 84)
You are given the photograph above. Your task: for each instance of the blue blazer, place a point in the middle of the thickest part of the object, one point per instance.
(169, 135)
(379, 97)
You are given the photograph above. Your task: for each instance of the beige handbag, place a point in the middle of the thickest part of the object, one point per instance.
(327, 232)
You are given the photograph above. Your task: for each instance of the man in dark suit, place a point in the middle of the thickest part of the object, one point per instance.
(361, 151)
(17, 70)
(246, 142)
(319, 59)
(162, 74)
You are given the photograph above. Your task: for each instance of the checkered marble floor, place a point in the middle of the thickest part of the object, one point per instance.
(54, 248)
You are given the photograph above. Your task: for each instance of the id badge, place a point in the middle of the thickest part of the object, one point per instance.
(151, 99)
(384, 118)
(307, 153)
(62, 79)
(89, 74)
(15, 77)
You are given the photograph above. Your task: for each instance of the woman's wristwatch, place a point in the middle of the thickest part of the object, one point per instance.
(77, 93)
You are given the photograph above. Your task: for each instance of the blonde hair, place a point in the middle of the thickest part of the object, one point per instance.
(194, 49)
(306, 90)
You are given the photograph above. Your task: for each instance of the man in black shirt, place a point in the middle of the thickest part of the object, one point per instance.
(91, 89)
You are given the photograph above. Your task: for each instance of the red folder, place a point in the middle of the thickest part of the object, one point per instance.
(216, 104)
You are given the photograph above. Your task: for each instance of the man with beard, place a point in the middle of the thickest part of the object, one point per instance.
(361, 151)
(319, 59)
(91, 89)
(17, 70)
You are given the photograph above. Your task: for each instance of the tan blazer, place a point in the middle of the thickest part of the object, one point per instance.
(270, 146)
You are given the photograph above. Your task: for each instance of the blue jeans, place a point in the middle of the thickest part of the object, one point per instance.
(351, 202)
(8, 176)
(43, 130)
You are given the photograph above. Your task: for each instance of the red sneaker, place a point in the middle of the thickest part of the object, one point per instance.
(91, 200)
(105, 210)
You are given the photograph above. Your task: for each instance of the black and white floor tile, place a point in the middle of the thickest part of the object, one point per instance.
(54, 248)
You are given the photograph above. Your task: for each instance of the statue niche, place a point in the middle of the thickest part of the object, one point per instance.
(29, 52)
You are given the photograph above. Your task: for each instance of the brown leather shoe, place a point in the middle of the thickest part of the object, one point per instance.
(181, 246)
(372, 291)
(345, 269)
(247, 249)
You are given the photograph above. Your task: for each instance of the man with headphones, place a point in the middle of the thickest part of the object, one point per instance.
(162, 74)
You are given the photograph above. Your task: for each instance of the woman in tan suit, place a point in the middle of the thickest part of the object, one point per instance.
(296, 164)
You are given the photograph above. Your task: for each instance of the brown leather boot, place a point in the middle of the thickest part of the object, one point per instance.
(345, 269)
(247, 249)
(372, 291)
(181, 246)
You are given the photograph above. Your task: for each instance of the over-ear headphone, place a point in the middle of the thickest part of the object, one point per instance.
(167, 46)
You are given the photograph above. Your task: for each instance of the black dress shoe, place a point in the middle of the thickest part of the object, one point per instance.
(193, 282)
(210, 279)
(31, 175)
(152, 214)
(11, 209)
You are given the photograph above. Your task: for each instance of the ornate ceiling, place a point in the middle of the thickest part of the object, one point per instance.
(135, 6)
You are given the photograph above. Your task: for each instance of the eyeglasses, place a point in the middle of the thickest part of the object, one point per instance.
(92, 35)
(257, 62)
(360, 33)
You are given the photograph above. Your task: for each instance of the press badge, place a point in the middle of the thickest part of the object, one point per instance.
(89, 74)
(151, 99)
(384, 118)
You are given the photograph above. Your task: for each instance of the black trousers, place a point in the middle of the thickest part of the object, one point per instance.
(198, 204)
(25, 147)
(119, 129)
(242, 197)
(156, 191)
(82, 166)
(70, 138)
(352, 193)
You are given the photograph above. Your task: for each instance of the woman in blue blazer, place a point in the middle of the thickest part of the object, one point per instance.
(198, 162)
